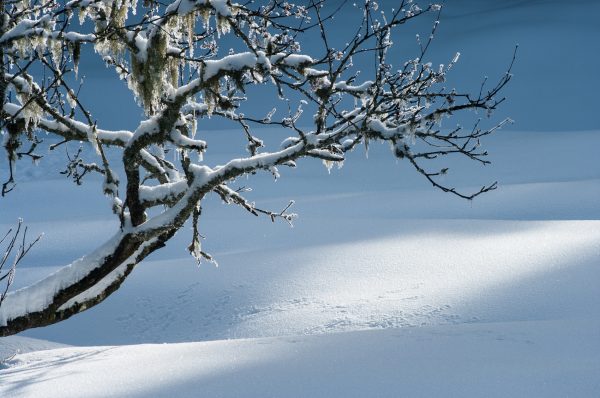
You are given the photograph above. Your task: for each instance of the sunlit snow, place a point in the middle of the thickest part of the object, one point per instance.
(384, 287)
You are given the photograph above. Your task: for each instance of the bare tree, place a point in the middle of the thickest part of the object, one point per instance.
(170, 59)
(16, 238)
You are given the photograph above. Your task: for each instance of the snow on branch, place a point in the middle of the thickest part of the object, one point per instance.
(190, 60)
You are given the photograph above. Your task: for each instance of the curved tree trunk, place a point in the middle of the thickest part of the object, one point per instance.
(64, 294)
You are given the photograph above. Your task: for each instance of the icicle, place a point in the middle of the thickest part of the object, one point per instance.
(93, 138)
(194, 126)
(190, 26)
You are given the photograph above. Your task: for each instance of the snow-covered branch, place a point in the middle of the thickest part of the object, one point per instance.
(187, 61)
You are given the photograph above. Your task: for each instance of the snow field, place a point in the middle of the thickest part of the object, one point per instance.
(384, 287)
(556, 358)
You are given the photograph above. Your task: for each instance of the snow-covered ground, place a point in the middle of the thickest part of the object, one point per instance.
(374, 292)
(550, 358)
(384, 287)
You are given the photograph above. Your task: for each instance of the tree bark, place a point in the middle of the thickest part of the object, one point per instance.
(124, 254)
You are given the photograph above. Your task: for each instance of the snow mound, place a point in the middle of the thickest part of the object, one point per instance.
(12, 345)
(516, 359)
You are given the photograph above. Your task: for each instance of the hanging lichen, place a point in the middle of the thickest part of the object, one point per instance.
(82, 14)
(173, 67)
(189, 24)
(148, 78)
(56, 51)
(75, 50)
(31, 112)
(223, 25)
(118, 13)
(211, 95)
(205, 14)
